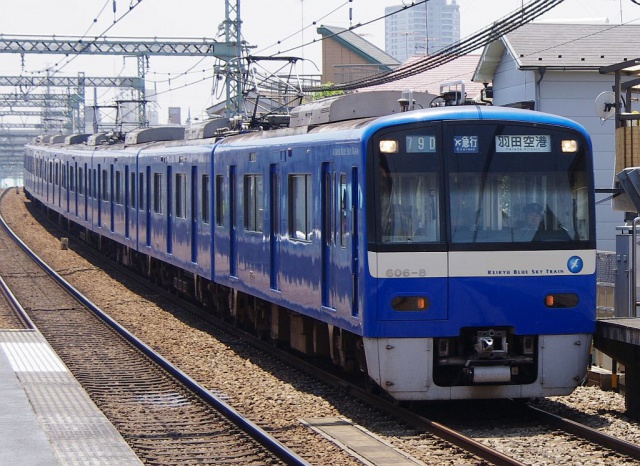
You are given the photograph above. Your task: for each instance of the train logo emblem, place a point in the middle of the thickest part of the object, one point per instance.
(575, 264)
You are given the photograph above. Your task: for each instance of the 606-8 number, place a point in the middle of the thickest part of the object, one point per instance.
(399, 273)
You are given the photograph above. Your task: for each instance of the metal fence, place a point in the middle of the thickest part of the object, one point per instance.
(605, 283)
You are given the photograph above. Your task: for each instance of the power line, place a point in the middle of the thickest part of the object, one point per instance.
(513, 21)
(132, 6)
(351, 28)
(314, 23)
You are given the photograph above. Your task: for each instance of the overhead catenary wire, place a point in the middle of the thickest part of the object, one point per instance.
(351, 28)
(509, 23)
(132, 6)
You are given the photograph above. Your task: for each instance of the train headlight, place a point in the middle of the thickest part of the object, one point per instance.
(388, 146)
(410, 303)
(569, 145)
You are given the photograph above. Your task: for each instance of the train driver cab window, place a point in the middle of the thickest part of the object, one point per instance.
(409, 169)
(521, 187)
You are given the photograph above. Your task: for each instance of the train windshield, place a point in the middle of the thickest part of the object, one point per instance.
(410, 188)
(484, 183)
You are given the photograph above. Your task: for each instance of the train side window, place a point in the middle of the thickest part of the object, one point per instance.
(219, 200)
(80, 180)
(118, 187)
(157, 193)
(71, 179)
(57, 176)
(141, 191)
(343, 210)
(132, 190)
(205, 199)
(95, 184)
(300, 208)
(181, 195)
(105, 185)
(253, 202)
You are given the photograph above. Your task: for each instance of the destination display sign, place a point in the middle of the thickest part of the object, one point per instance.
(523, 143)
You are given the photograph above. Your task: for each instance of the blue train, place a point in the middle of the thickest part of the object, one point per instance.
(446, 253)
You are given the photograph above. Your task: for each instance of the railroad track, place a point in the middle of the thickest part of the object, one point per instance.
(421, 423)
(12, 315)
(163, 415)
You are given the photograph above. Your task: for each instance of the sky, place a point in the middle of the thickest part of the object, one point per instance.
(270, 25)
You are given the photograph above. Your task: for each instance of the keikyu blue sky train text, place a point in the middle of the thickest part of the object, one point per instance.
(445, 252)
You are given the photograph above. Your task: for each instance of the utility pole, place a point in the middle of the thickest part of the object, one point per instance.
(234, 68)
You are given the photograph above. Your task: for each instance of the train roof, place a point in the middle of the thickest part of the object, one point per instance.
(351, 116)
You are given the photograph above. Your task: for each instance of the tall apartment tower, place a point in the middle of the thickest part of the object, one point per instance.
(421, 30)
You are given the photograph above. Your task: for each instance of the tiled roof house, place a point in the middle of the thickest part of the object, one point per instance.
(346, 56)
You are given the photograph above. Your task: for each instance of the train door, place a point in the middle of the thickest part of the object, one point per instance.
(274, 212)
(148, 207)
(58, 186)
(169, 211)
(194, 215)
(54, 182)
(233, 256)
(126, 202)
(339, 243)
(74, 187)
(327, 209)
(101, 188)
(48, 176)
(343, 272)
(112, 193)
(67, 186)
(355, 262)
(87, 192)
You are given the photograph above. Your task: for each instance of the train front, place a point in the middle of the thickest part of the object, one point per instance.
(481, 255)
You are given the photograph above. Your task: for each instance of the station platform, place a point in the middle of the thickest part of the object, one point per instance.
(46, 417)
(619, 338)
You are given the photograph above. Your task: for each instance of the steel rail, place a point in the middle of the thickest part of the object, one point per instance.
(257, 433)
(22, 315)
(438, 430)
(592, 435)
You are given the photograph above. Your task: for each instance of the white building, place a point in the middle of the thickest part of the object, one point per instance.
(422, 29)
